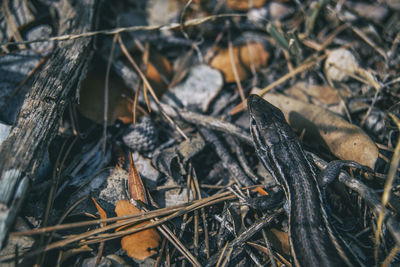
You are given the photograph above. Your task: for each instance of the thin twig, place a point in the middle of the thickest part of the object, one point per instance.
(164, 27)
(149, 87)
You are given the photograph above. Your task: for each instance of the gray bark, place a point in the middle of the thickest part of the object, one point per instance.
(38, 120)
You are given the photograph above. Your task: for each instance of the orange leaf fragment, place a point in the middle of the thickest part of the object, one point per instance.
(244, 4)
(101, 211)
(140, 245)
(245, 57)
(143, 244)
(159, 72)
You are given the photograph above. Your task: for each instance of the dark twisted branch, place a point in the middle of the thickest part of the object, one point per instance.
(38, 121)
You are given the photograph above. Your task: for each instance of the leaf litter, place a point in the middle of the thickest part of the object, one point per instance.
(175, 99)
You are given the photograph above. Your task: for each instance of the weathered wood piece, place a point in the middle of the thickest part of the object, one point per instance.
(38, 121)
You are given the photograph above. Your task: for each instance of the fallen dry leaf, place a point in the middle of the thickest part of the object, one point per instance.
(140, 245)
(159, 72)
(317, 94)
(143, 244)
(245, 57)
(322, 93)
(135, 184)
(279, 240)
(91, 103)
(244, 4)
(346, 141)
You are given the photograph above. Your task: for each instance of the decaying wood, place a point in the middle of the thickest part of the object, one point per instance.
(37, 123)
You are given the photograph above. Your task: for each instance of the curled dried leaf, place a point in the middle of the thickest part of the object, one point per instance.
(135, 183)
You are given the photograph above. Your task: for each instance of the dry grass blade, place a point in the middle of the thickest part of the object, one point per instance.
(135, 217)
(94, 236)
(234, 68)
(146, 63)
(388, 187)
(390, 257)
(221, 256)
(203, 214)
(11, 24)
(303, 67)
(176, 242)
(148, 85)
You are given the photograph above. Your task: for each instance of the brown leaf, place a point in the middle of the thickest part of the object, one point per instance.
(323, 93)
(91, 103)
(279, 240)
(140, 245)
(159, 72)
(346, 141)
(244, 4)
(317, 94)
(135, 184)
(245, 57)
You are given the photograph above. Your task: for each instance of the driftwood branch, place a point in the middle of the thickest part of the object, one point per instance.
(38, 121)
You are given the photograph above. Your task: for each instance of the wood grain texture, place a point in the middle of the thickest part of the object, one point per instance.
(38, 120)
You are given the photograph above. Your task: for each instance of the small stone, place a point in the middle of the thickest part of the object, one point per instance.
(340, 64)
(196, 92)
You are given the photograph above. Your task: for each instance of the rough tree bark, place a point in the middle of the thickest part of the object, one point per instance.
(38, 120)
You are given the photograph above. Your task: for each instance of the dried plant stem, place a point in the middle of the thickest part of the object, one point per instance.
(165, 27)
(387, 189)
(95, 236)
(149, 87)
